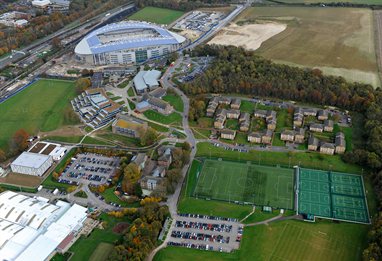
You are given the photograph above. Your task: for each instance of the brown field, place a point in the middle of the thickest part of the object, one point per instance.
(120, 227)
(21, 180)
(339, 40)
(249, 36)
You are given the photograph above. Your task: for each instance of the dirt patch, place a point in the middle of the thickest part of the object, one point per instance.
(21, 180)
(250, 36)
(64, 131)
(120, 227)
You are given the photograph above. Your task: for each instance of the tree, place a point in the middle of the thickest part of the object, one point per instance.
(131, 175)
(3, 157)
(138, 190)
(20, 140)
(56, 43)
(148, 137)
(82, 84)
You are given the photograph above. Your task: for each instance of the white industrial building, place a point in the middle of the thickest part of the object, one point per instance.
(41, 3)
(127, 43)
(32, 164)
(146, 81)
(31, 228)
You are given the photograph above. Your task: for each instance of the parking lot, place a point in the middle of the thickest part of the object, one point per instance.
(205, 233)
(94, 168)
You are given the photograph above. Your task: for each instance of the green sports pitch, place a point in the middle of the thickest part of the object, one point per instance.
(246, 183)
(332, 195)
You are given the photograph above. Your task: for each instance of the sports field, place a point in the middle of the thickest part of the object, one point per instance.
(332, 195)
(40, 107)
(156, 15)
(242, 182)
(339, 41)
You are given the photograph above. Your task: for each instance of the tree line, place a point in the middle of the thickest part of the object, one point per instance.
(235, 70)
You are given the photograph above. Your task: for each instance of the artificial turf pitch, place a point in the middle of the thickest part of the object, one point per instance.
(332, 195)
(246, 182)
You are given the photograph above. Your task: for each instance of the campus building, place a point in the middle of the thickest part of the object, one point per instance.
(146, 81)
(127, 43)
(95, 108)
(129, 126)
(32, 164)
(32, 228)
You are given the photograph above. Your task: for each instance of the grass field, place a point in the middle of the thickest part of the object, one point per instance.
(311, 160)
(33, 111)
(172, 119)
(175, 101)
(156, 15)
(233, 181)
(286, 240)
(340, 41)
(102, 252)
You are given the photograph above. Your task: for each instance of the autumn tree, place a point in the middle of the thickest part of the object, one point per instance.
(19, 141)
(148, 136)
(82, 84)
(3, 157)
(131, 175)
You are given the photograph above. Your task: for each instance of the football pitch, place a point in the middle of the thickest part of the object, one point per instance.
(246, 182)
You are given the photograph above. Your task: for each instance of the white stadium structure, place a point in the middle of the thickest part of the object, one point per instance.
(32, 228)
(127, 43)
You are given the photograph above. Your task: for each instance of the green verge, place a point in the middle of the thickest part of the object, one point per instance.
(311, 160)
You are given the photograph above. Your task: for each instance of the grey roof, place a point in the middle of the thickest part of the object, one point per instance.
(288, 132)
(327, 145)
(91, 44)
(316, 126)
(158, 103)
(255, 134)
(340, 139)
(328, 123)
(31, 160)
(228, 132)
(313, 141)
(158, 93)
(146, 79)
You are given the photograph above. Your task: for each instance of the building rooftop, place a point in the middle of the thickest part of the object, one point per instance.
(146, 79)
(31, 160)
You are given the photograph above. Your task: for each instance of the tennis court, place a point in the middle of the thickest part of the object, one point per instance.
(332, 195)
(246, 182)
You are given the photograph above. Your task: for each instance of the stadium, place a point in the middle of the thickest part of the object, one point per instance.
(126, 43)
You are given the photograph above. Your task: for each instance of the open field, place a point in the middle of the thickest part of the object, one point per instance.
(102, 252)
(250, 36)
(340, 41)
(21, 180)
(311, 160)
(156, 15)
(233, 181)
(286, 240)
(40, 107)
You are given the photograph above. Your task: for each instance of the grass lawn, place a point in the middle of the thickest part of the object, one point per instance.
(284, 120)
(175, 101)
(232, 124)
(102, 252)
(131, 104)
(109, 196)
(286, 240)
(156, 15)
(247, 106)
(201, 133)
(339, 41)
(203, 122)
(69, 139)
(158, 127)
(33, 111)
(84, 247)
(276, 141)
(127, 141)
(91, 140)
(172, 119)
(130, 92)
(311, 160)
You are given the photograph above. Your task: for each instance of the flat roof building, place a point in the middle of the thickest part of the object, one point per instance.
(31, 228)
(32, 164)
(146, 81)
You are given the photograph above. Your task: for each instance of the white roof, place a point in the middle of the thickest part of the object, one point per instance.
(145, 79)
(31, 227)
(57, 151)
(31, 160)
(41, 3)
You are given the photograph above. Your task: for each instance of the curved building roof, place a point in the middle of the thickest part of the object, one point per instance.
(93, 44)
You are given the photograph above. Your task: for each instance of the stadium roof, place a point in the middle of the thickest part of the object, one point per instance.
(31, 227)
(92, 44)
(31, 160)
